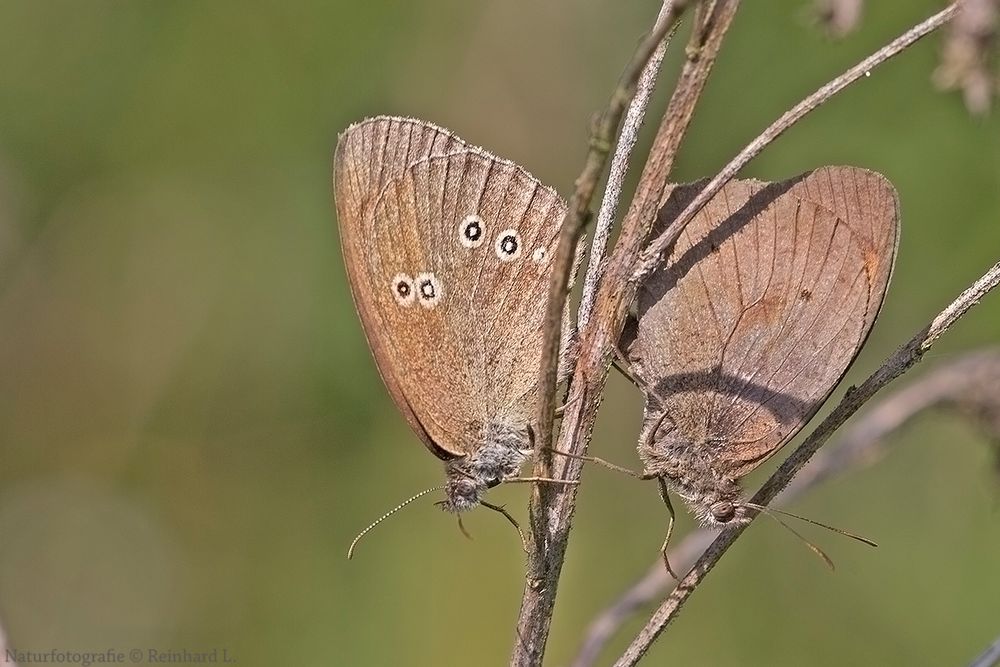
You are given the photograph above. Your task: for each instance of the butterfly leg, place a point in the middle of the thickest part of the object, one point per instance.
(513, 521)
(670, 526)
(561, 410)
(620, 361)
(627, 373)
(599, 461)
(461, 527)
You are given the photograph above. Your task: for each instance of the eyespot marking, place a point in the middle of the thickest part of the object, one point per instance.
(508, 245)
(470, 231)
(428, 289)
(539, 255)
(402, 289)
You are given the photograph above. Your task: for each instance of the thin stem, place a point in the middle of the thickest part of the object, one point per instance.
(649, 260)
(546, 548)
(577, 215)
(897, 364)
(619, 168)
(552, 512)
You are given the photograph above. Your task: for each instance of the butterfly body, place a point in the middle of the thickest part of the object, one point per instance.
(496, 457)
(689, 471)
(447, 251)
(760, 308)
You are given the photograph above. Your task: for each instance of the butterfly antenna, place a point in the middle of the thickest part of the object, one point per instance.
(839, 531)
(775, 514)
(350, 551)
(812, 547)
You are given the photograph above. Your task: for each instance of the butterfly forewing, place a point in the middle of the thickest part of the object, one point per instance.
(369, 155)
(761, 306)
(868, 203)
(470, 235)
(375, 151)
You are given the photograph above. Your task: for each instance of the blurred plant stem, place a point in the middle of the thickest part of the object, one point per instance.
(989, 657)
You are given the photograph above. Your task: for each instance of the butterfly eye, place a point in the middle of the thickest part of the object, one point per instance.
(723, 511)
(428, 289)
(508, 245)
(470, 231)
(402, 289)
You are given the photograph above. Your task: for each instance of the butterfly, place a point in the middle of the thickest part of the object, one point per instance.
(447, 250)
(758, 311)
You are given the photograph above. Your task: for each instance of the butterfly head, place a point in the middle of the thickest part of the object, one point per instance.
(498, 457)
(716, 501)
(726, 513)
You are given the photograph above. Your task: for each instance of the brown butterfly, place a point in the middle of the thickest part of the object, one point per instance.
(447, 250)
(756, 314)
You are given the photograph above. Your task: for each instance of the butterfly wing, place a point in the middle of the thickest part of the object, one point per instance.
(471, 235)
(762, 305)
(369, 155)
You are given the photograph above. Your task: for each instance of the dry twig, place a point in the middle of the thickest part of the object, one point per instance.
(651, 256)
(577, 215)
(619, 168)
(551, 511)
(969, 385)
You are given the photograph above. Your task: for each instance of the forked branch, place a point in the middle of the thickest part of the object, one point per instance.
(969, 385)
(897, 364)
(551, 512)
(651, 256)
(619, 168)
(577, 216)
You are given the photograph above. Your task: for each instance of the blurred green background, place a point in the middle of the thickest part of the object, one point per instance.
(192, 429)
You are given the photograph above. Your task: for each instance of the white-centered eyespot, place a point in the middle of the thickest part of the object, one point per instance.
(539, 255)
(508, 245)
(428, 289)
(402, 289)
(470, 231)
